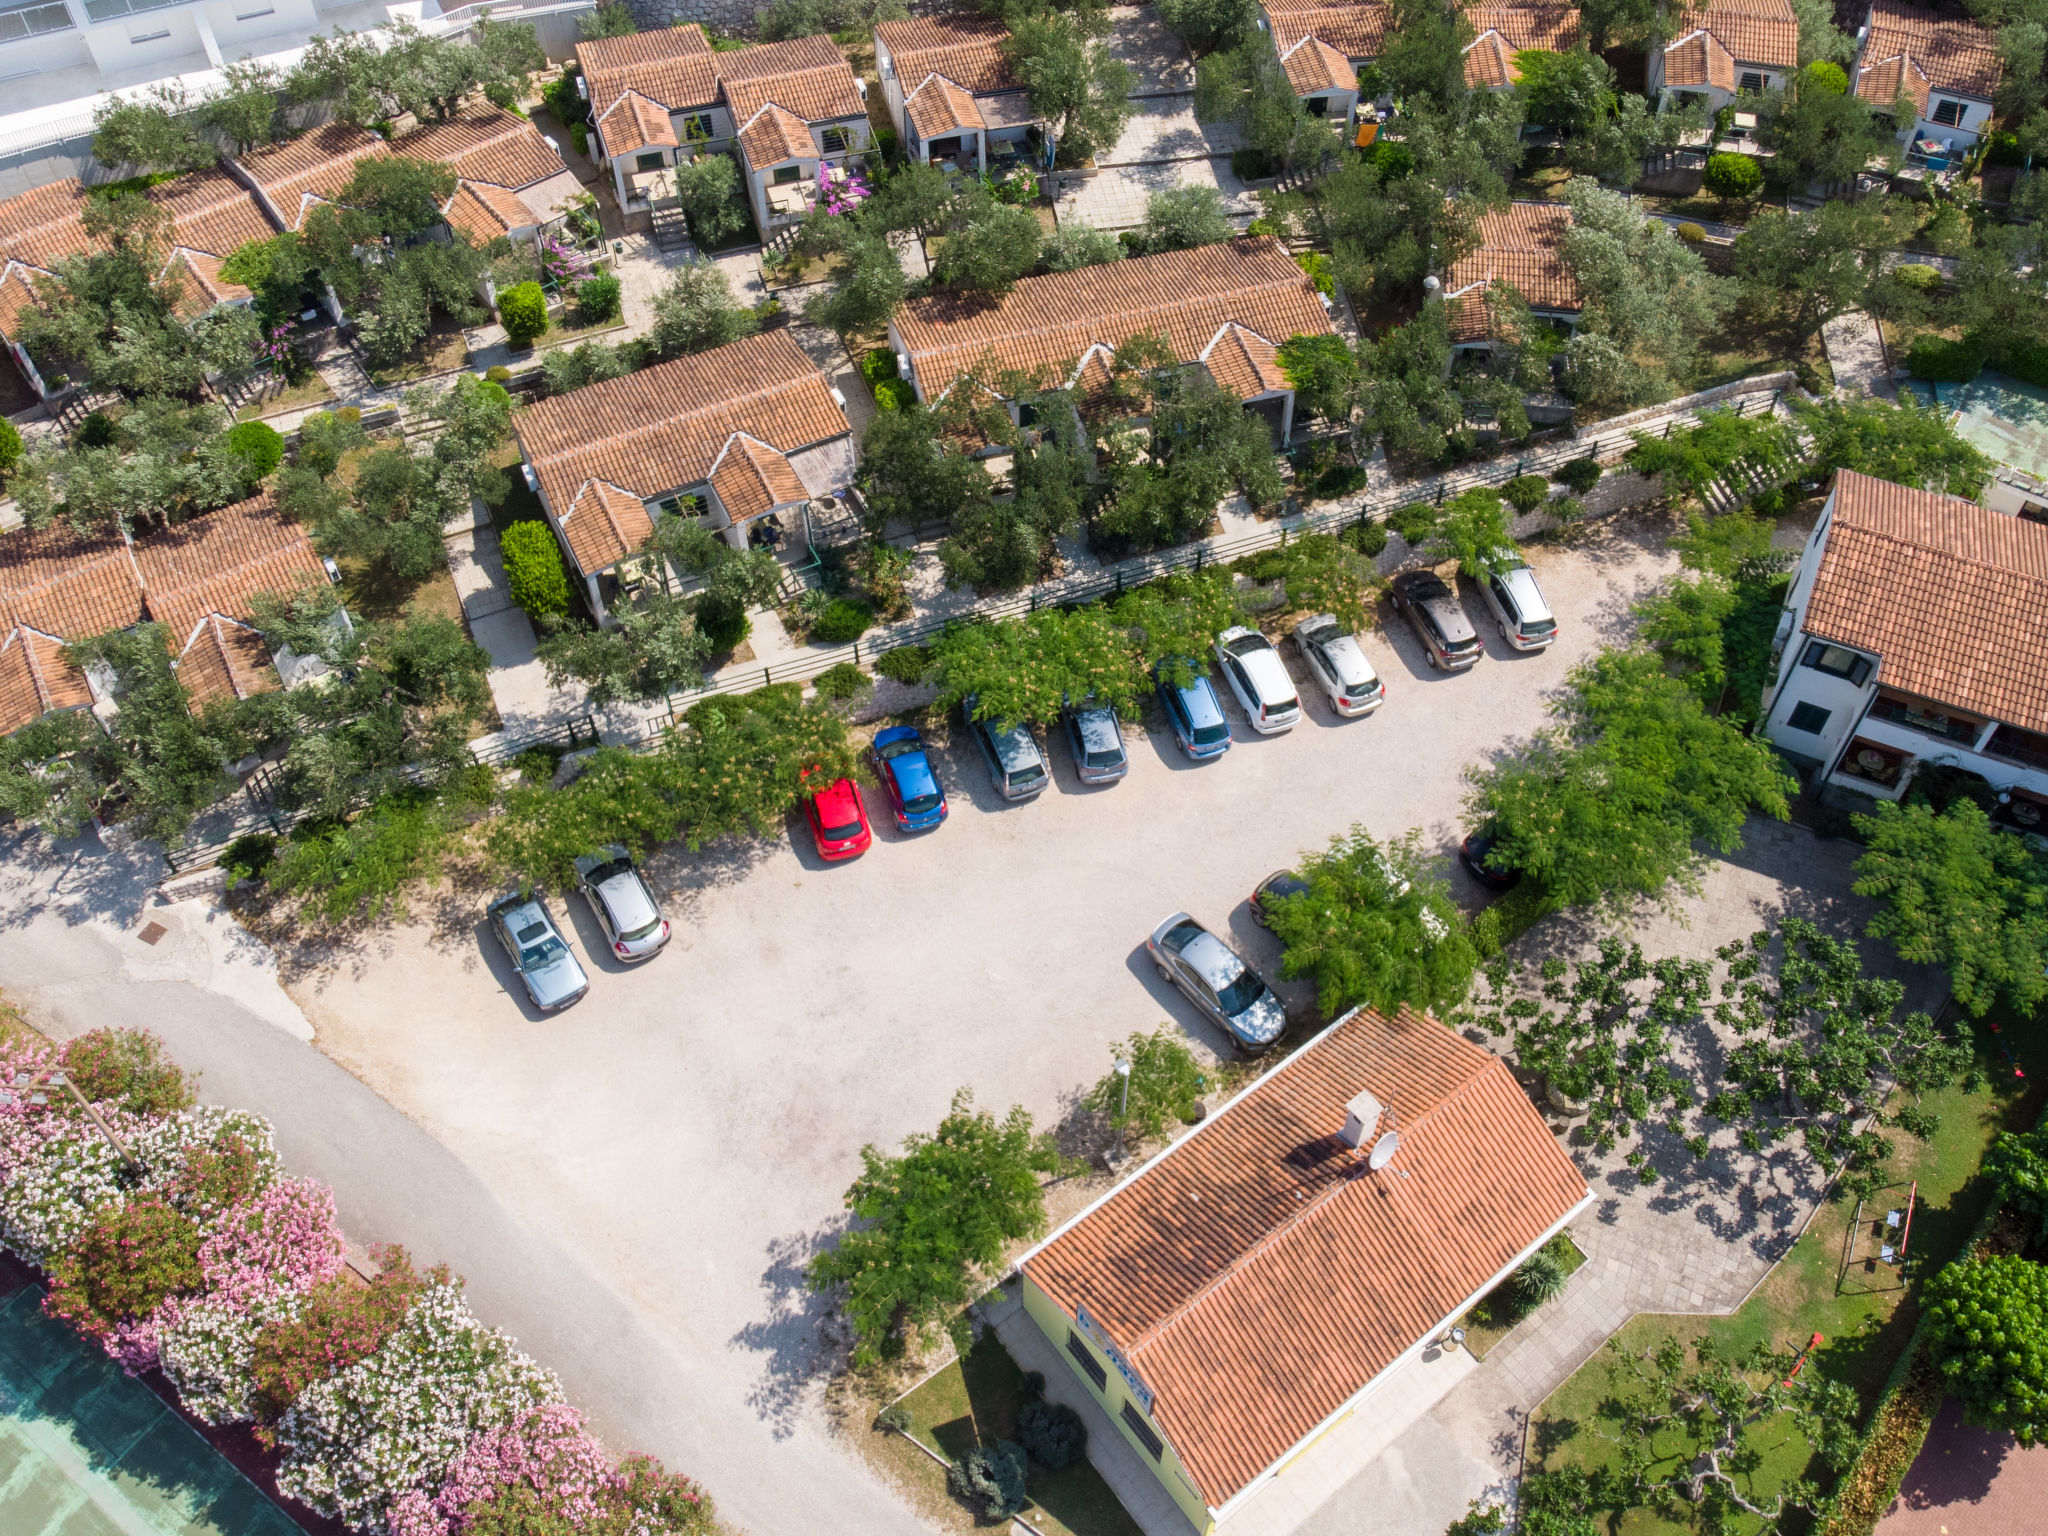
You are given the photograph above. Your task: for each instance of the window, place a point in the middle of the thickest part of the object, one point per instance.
(32, 20)
(1752, 83)
(1097, 1371)
(684, 504)
(1810, 718)
(697, 127)
(1135, 1422)
(654, 160)
(108, 10)
(835, 141)
(2033, 512)
(785, 174)
(1948, 113)
(1836, 661)
(1319, 106)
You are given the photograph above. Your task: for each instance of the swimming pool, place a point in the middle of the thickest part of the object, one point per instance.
(87, 1451)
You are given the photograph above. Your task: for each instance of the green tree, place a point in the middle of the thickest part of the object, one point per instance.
(1376, 928)
(524, 310)
(534, 572)
(988, 246)
(1723, 446)
(1987, 1324)
(152, 131)
(592, 362)
(870, 289)
(933, 1219)
(2018, 1167)
(1961, 894)
(1819, 37)
(1816, 134)
(1424, 53)
(1473, 530)
(1324, 374)
(653, 649)
(995, 544)
(1208, 25)
(1811, 267)
(1027, 668)
(1608, 806)
(1906, 443)
(1734, 178)
(1609, 22)
(244, 110)
(1181, 218)
(1248, 85)
(1078, 245)
(1165, 1081)
(1175, 622)
(610, 19)
(1080, 90)
(708, 188)
(696, 311)
(1570, 92)
(910, 474)
(1203, 446)
(1406, 403)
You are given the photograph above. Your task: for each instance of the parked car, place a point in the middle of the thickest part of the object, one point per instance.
(1337, 662)
(908, 778)
(839, 820)
(1096, 736)
(1195, 715)
(1523, 617)
(1217, 981)
(621, 902)
(1281, 883)
(1433, 611)
(1259, 679)
(1476, 853)
(1015, 765)
(553, 976)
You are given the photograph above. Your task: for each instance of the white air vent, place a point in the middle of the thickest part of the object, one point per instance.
(1361, 1116)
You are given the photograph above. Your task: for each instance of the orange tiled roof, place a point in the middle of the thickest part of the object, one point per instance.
(1520, 245)
(938, 106)
(209, 211)
(1356, 31)
(485, 144)
(774, 135)
(1312, 65)
(633, 121)
(1504, 31)
(224, 659)
(1050, 322)
(1918, 52)
(1490, 63)
(1243, 362)
(806, 76)
(1699, 59)
(204, 287)
(968, 50)
(17, 294)
(66, 584)
(216, 562)
(487, 211)
(1952, 596)
(814, 95)
(1257, 1275)
(1753, 31)
(35, 678)
(752, 478)
(674, 68)
(662, 429)
(315, 165)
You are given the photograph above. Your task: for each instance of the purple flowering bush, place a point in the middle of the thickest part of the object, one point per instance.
(842, 190)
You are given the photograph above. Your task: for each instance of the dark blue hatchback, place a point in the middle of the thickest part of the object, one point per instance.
(908, 778)
(1196, 716)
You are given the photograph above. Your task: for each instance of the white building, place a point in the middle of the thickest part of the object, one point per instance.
(1724, 49)
(1947, 65)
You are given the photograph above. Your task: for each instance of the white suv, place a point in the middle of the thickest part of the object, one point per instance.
(1523, 617)
(1335, 660)
(1259, 679)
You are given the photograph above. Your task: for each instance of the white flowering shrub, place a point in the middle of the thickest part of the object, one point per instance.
(209, 1354)
(399, 1419)
(59, 1171)
(166, 1148)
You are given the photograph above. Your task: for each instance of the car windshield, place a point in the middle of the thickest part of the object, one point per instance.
(538, 947)
(900, 746)
(1241, 993)
(604, 872)
(1362, 690)
(917, 805)
(1244, 645)
(1108, 757)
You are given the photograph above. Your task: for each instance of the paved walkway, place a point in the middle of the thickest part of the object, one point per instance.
(1856, 353)
(1969, 1482)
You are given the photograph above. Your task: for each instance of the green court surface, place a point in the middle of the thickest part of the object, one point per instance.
(87, 1451)
(2004, 417)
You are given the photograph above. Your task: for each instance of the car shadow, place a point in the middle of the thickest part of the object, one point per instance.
(1179, 1012)
(589, 935)
(964, 772)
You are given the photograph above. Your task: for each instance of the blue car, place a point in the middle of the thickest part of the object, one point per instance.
(905, 772)
(1196, 716)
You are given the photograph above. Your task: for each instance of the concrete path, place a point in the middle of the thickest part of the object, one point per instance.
(1115, 198)
(1856, 353)
(1164, 128)
(526, 701)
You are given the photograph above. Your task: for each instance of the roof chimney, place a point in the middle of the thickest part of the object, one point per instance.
(1361, 1115)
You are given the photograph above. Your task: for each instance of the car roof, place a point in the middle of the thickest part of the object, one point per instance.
(839, 799)
(527, 911)
(1097, 729)
(1268, 673)
(628, 899)
(1212, 960)
(1348, 660)
(913, 774)
(1013, 742)
(1199, 699)
(1521, 584)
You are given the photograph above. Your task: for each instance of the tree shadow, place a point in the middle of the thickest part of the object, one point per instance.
(803, 1339)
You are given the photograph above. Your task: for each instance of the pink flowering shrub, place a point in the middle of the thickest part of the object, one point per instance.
(547, 1454)
(284, 1239)
(842, 191)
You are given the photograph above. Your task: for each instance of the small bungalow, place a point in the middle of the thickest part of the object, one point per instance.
(1724, 49)
(291, 178)
(1226, 308)
(1521, 245)
(952, 94)
(1947, 64)
(728, 436)
(1506, 30)
(511, 181)
(1323, 46)
(1269, 1273)
(791, 110)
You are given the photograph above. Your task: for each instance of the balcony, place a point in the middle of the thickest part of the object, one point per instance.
(2010, 744)
(1927, 719)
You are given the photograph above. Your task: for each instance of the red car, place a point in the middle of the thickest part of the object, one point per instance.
(839, 821)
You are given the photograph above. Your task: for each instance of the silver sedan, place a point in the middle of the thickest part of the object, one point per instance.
(552, 975)
(1217, 981)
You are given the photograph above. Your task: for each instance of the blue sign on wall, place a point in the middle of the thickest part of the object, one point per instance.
(1124, 1368)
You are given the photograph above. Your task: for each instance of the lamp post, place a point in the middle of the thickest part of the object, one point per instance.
(1123, 1070)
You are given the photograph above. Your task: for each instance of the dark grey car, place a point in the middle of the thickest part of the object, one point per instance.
(1096, 737)
(1015, 765)
(1433, 611)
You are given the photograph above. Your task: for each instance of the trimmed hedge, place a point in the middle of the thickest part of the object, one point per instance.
(1525, 493)
(598, 298)
(843, 681)
(534, 570)
(1579, 475)
(524, 310)
(843, 622)
(906, 664)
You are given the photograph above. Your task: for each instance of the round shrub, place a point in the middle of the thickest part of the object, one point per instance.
(10, 448)
(258, 445)
(1827, 76)
(1369, 539)
(2003, 148)
(1525, 493)
(125, 1265)
(534, 570)
(1541, 1276)
(1732, 177)
(723, 621)
(1988, 1326)
(1413, 522)
(248, 857)
(1690, 233)
(1391, 160)
(1052, 1434)
(498, 373)
(2018, 1165)
(843, 622)
(877, 364)
(597, 298)
(1578, 474)
(524, 310)
(990, 1480)
(1918, 275)
(895, 1419)
(907, 664)
(96, 430)
(895, 395)
(843, 681)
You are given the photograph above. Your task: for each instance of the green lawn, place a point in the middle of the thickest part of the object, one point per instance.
(1864, 1314)
(972, 1401)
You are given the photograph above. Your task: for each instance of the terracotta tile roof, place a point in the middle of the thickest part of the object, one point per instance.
(815, 95)
(66, 584)
(1753, 31)
(1520, 245)
(1698, 59)
(774, 135)
(806, 76)
(1356, 31)
(1952, 596)
(968, 50)
(1924, 51)
(215, 563)
(752, 478)
(1553, 28)
(672, 66)
(211, 211)
(1490, 63)
(485, 144)
(17, 294)
(199, 276)
(1257, 1275)
(1050, 322)
(938, 106)
(43, 226)
(655, 47)
(315, 165)
(634, 122)
(1312, 65)
(224, 659)
(660, 430)
(1243, 362)
(35, 678)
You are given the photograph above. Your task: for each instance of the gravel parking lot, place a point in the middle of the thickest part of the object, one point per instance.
(691, 1125)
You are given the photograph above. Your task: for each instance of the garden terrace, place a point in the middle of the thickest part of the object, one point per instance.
(510, 179)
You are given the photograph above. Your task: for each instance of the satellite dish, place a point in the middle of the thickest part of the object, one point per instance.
(1383, 1151)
